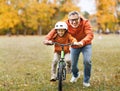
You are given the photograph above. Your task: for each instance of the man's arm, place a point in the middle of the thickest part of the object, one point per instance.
(89, 34)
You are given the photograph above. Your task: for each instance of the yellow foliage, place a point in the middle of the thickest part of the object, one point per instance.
(8, 16)
(68, 6)
(33, 14)
(105, 12)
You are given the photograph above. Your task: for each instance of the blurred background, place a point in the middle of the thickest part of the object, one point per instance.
(37, 17)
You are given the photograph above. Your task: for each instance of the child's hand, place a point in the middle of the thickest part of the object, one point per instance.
(48, 42)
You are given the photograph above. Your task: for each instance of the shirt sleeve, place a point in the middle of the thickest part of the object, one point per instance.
(72, 39)
(89, 34)
(50, 35)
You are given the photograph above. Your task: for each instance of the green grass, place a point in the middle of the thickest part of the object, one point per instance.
(25, 65)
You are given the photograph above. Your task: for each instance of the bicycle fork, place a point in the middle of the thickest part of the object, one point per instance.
(61, 66)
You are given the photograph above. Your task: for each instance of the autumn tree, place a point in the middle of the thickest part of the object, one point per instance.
(117, 13)
(37, 16)
(8, 16)
(33, 16)
(106, 13)
(64, 7)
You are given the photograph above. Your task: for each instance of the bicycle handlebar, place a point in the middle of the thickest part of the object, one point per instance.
(56, 43)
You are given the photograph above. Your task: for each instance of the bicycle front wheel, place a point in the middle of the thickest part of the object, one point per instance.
(60, 73)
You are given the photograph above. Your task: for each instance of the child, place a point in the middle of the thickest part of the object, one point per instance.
(63, 37)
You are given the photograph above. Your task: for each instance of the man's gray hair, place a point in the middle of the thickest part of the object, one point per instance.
(73, 13)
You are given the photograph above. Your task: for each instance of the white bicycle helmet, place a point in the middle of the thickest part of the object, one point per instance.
(61, 25)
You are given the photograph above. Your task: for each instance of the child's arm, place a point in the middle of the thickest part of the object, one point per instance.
(72, 39)
(50, 35)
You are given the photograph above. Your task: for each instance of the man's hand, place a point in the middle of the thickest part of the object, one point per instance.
(80, 44)
(76, 43)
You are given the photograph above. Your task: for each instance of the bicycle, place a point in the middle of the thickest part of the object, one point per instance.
(61, 71)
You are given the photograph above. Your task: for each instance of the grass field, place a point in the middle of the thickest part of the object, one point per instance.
(25, 65)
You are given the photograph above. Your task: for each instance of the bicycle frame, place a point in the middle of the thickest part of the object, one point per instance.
(62, 64)
(61, 74)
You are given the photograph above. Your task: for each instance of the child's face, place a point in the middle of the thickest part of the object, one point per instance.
(61, 32)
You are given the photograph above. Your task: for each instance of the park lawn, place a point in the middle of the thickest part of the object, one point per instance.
(25, 64)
